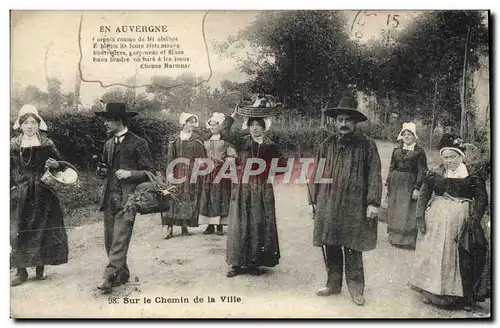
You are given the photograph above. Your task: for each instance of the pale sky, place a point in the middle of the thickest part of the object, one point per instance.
(32, 32)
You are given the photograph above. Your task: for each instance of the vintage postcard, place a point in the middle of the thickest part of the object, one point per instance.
(250, 164)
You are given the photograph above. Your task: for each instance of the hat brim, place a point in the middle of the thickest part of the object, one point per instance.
(357, 115)
(114, 115)
(455, 149)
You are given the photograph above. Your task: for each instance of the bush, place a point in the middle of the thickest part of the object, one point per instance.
(157, 133)
(299, 142)
(80, 136)
(77, 136)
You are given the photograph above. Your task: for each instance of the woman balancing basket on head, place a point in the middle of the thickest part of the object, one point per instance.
(252, 236)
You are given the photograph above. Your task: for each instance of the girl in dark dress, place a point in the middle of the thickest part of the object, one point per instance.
(215, 196)
(407, 169)
(252, 238)
(187, 145)
(40, 237)
(452, 195)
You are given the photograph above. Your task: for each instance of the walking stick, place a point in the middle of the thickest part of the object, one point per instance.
(323, 248)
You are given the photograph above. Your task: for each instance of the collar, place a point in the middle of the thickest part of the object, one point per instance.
(185, 135)
(410, 147)
(459, 173)
(215, 136)
(30, 141)
(345, 139)
(121, 133)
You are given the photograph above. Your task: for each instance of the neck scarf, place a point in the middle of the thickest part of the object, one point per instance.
(409, 147)
(258, 140)
(185, 135)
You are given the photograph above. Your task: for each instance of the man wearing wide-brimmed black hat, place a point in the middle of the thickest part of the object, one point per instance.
(346, 208)
(127, 158)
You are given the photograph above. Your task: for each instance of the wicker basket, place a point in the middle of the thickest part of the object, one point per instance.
(67, 176)
(258, 111)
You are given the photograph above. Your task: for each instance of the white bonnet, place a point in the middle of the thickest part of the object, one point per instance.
(186, 116)
(410, 126)
(29, 109)
(217, 118)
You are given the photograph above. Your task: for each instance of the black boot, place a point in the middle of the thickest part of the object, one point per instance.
(21, 277)
(209, 230)
(220, 229)
(39, 273)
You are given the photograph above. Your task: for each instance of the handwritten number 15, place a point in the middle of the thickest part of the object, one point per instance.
(395, 21)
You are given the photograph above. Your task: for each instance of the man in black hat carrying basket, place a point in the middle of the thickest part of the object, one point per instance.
(345, 208)
(127, 158)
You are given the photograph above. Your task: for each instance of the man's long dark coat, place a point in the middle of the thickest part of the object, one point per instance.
(353, 164)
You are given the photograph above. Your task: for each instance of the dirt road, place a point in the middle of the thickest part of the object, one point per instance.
(174, 273)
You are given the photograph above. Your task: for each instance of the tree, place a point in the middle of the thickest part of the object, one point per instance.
(425, 69)
(135, 102)
(55, 95)
(305, 58)
(176, 93)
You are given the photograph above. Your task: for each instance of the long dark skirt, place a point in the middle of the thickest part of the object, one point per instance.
(39, 236)
(252, 237)
(401, 209)
(187, 209)
(214, 200)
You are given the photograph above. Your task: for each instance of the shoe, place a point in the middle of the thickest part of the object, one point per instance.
(185, 232)
(235, 271)
(121, 280)
(18, 280)
(220, 229)
(106, 286)
(327, 291)
(209, 230)
(358, 299)
(21, 277)
(170, 232)
(39, 273)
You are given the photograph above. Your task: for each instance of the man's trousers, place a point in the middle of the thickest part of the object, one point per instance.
(118, 228)
(335, 258)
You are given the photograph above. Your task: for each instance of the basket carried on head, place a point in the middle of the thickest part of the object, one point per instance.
(260, 106)
(63, 177)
